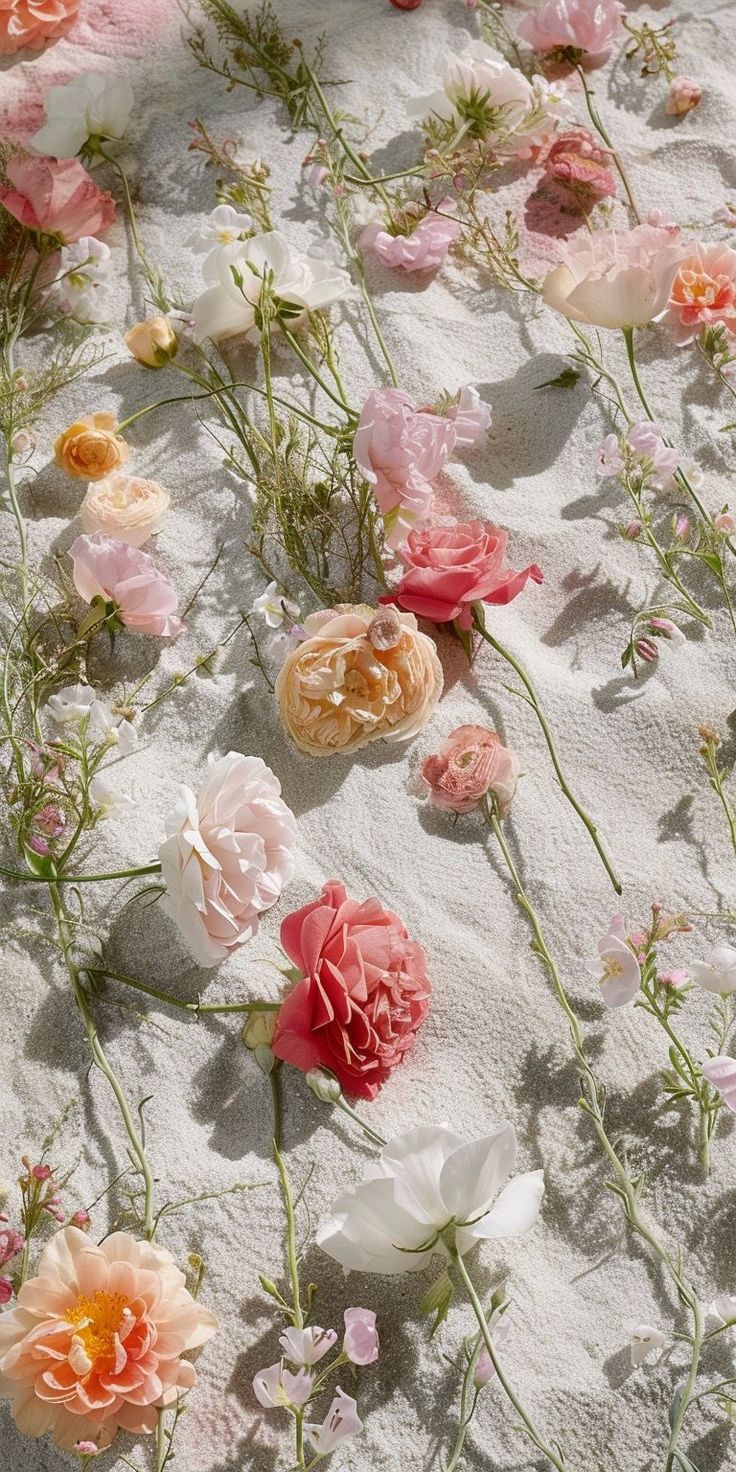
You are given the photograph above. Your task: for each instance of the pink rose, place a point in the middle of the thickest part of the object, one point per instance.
(589, 26)
(449, 568)
(363, 991)
(576, 161)
(57, 197)
(145, 600)
(424, 248)
(703, 292)
(401, 449)
(470, 763)
(33, 23)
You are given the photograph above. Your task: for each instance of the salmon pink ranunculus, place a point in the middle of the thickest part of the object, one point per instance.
(145, 600)
(56, 197)
(449, 568)
(363, 992)
(472, 762)
(575, 161)
(33, 24)
(703, 292)
(95, 1344)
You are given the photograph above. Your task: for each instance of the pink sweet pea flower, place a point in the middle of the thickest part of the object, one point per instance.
(617, 972)
(721, 1073)
(306, 1346)
(361, 1336)
(342, 1420)
(590, 26)
(424, 249)
(145, 600)
(703, 292)
(276, 1386)
(449, 568)
(56, 197)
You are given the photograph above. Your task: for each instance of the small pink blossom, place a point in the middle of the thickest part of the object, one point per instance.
(6, 1290)
(145, 600)
(617, 971)
(590, 26)
(341, 1421)
(725, 522)
(646, 650)
(316, 175)
(676, 976)
(609, 460)
(472, 762)
(41, 1172)
(360, 1343)
(682, 527)
(276, 1386)
(633, 529)
(86, 1448)
(683, 96)
(305, 1347)
(574, 160)
(81, 1219)
(11, 1243)
(646, 440)
(56, 197)
(424, 249)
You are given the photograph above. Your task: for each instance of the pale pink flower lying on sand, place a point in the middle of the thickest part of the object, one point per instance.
(277, 1386)
(478, 84)
(425, 246)
(55, 198)
(589, 26)
(683, 96)
(124, 506)
(360, 1343)
(471, 763)
(144, 599)
(96, 1341)
(721, 1073)
(342, 1421)
(33, 24)
(617, 972)
(703, 291)
(615, 278)
(718, 973)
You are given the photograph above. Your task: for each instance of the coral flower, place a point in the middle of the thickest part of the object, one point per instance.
(90, 449)
(33, 24)
(449, 568)
(96, 1341)
(575, 161)
(470, 763)
(703, 292)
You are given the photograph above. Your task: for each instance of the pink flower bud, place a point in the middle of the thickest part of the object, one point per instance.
(675, 977)
(647, 649)
(41, 1172)
(21, 442)
(86, 1448)
(684, 95)
(632, 530)
(483, 1371)
(682, 527)
(6, 1290)
(11, 1243)
(81, 1219)
(406, 4)
(361, 1336)
(725, 522)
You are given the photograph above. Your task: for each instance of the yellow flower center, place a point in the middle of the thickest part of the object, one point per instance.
(611, 968)
(96, 1321)
(225, 236)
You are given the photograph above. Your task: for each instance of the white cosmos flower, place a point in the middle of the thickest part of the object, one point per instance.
(80, 287)
(644, 1340)
(224, 309)
(426, 1182)
(92, 106)
(222, 227)
(617, 971)
(112, 804)
(721, 1073)
(718, 973)
(478, 75)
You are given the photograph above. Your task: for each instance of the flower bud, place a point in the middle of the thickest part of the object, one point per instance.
(647, 649)
(6, 1290)
(684, 95)
(81, 1219)
(259, 1030)
(324, 1086)
(632, 530)
(725, 522)
(483, 1371)
(152, 342)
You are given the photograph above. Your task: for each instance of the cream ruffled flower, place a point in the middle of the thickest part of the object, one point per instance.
(362, 674)
(124, 506)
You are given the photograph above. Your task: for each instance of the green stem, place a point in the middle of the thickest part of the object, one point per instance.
(601, 131)
(296, 1308)
(309, 365)
(29, 878)
(370, 1134)
(197, 1009)
(154, 281)
(465, 1417)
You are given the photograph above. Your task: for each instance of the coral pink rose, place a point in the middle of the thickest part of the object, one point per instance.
(364, 991)
(401, 449)
(470, 763)
(425, 246)
(55, 197)
(616, 278)
(34, 23)
(96, 1341)
(577, 162)
(449, 568)
(145, 600)
(703, 292)
(590, 26)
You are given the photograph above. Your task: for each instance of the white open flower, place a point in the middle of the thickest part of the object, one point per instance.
(431, 1190)
(617, 971)
(275, 607)
(235, 275)
(644, 1340)
(342, 1420)
(723, 1309)
(72, 703)
(222, 227)
(80, 287)
(94, 105)
(478, 81)
(721, 1073)
(111, 802)
(718, 973)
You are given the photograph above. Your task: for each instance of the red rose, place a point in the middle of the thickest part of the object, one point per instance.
(364, 991)
(449, 568)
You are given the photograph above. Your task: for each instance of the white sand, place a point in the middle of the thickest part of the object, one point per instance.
(495, 1042)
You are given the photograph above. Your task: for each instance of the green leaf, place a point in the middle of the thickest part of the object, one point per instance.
(566, 379)
(437, 1301)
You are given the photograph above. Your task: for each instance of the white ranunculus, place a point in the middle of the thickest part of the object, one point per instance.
(427, 1186)
(225, 310)
(229, 852)
(718, 973)
(92, 106)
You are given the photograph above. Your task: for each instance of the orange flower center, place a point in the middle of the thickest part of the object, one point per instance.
(96, 1321)
(699, 289)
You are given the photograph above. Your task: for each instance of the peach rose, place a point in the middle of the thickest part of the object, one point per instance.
(34, 23)
(152, 342)
(470, 763)
(96, 1341)
(90, 448)
(125, 507)
(361, 674)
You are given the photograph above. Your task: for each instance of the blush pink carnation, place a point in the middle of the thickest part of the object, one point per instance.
(229, 851)
(703, 291)
(449, 568)
(96, 1340)
(472, 762)
(56, 197)
(145, 600)
(33, 24)
(401, 449)
(363, 991)
(588, 26)
(424, 248)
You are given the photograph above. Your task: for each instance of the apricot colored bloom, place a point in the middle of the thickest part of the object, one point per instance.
(683, 96)
(33, 24)
(587, 26)
(144, 599)
(55, 198)
(424, 248)
(615, 278)
(152, 342)
(95, 1344)
(90, 448)
(703, 292)
(124, 506)
(472, 762)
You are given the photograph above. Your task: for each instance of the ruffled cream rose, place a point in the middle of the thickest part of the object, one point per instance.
(90, 448)
(152, 342)
(125, 507)
(362, 674)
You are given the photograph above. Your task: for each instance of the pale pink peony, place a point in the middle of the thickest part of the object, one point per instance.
(472, 762)
(616, 278)
(683, 96)
(55, 197)
(703, 291)
(589, 26)
(33, 24)
(449, 568)
(145, 600)
(424, 249)
(228, 854)
(577, 162)
(401, 449)
(96, 1341)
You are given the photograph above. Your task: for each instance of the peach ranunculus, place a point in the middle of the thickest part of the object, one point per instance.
(124, 506)
(227, 856)
(144, 599)
(401, 449)
(472, 762)
(33, 24)
(423, 246)
(362, 994)
(703, 292)
(586, 26)
(95, 1343)
(616, 278)
(90, 448)
(448, 568)
(55, 197)
(361, 674)
(152, 342)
